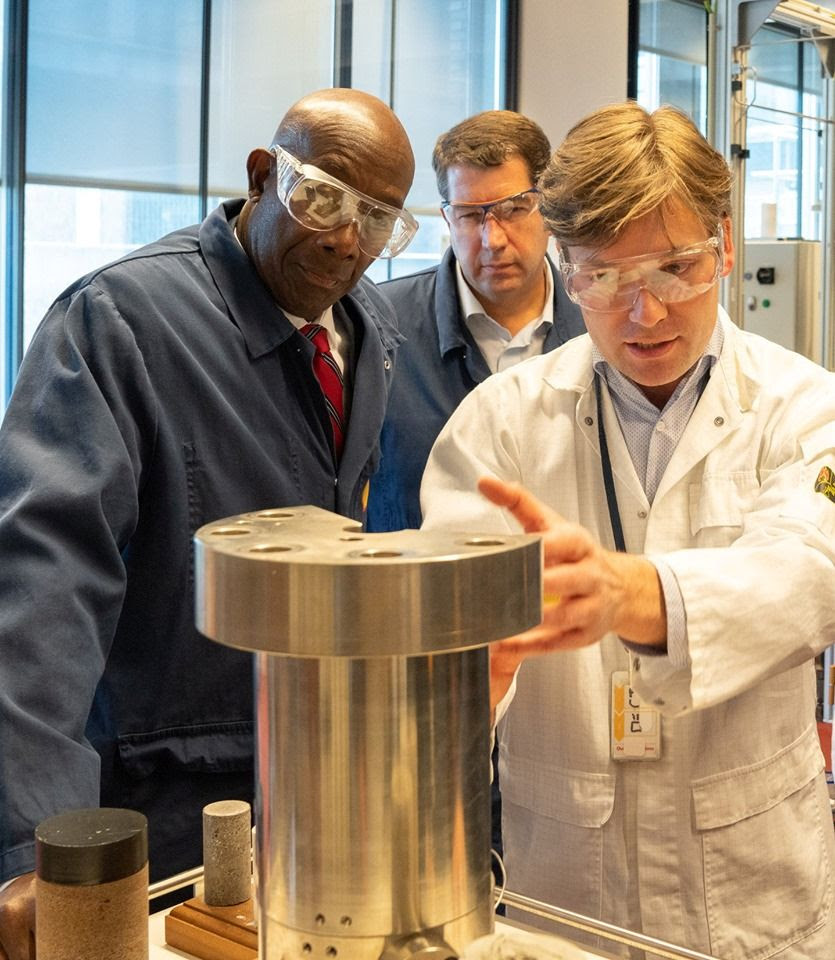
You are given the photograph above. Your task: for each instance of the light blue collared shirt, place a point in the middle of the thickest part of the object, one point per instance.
(651, 436)
(498, 346)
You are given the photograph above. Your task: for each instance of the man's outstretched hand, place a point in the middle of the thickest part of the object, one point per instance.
(587, 591)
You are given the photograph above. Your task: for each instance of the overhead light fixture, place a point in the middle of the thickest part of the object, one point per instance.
(813, 17)
(815, 21)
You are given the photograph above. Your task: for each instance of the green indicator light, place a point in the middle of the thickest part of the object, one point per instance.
(766, 302)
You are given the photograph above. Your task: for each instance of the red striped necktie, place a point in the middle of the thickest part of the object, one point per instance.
(329, 376)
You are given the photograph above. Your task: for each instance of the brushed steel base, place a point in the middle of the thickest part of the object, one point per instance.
(279, 942)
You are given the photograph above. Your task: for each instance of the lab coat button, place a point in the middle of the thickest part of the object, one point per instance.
(718, 421)
(636, 664)
(658, 702)
(642, 514)
(588, 421)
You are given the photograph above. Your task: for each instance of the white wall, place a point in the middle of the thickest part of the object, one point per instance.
(573, 58)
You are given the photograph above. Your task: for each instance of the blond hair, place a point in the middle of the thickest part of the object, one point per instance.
(622, 162)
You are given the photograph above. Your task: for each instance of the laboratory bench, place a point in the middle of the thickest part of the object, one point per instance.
(549, 936)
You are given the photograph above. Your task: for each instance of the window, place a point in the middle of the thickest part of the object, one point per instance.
(785, 90)
(443, 63)
(5, 373)
(672, 57)
(140, 115)
(102, 181)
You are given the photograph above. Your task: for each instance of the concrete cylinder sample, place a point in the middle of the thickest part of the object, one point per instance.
(227, 853)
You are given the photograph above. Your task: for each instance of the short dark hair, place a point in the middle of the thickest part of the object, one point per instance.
(489, 139)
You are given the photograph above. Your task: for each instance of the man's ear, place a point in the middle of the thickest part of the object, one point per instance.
(258, 166)
(728, 249)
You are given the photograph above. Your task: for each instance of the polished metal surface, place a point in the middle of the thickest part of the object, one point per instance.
(376, 801)
(372, 704)
(307, 582)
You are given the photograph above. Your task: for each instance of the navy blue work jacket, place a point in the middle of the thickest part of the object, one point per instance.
(160, 393)
(437, 366)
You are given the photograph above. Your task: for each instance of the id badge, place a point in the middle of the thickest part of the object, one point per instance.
(636, 727)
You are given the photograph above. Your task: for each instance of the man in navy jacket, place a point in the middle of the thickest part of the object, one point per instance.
(495, 298)
(162, 392)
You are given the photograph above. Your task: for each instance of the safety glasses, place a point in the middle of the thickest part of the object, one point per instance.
(671, 277)
(321, 202)
(467, 217)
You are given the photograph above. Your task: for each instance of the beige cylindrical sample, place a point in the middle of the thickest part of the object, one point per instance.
(227, 852)
(768, 219)
(91, 886)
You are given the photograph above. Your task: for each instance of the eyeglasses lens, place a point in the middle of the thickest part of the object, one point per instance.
(471, 216)
(325, 206)
(672, 280)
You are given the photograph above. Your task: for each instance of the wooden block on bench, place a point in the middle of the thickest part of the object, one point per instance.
(213, 933)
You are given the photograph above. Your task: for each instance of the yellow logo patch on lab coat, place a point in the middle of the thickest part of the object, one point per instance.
(825, 483)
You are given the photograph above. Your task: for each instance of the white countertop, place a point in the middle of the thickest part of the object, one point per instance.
(158, 948)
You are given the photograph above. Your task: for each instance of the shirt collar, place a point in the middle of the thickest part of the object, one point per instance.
(471, 307)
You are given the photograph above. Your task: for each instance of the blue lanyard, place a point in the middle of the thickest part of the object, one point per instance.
(608, 478)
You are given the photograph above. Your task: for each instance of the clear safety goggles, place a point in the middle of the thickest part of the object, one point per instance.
(320, 202)
(471, 216)
(671, 277)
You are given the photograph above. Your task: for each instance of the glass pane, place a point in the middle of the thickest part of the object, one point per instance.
(72, 230)
(784, 169)
(673, 28)
(446, 65)
(773, 56)
(371, 41)
(445, 69)
(114, 91)
(672, 59)
(264, 56)
(4, 320)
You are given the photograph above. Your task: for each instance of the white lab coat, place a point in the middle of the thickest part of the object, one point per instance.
(726, 843)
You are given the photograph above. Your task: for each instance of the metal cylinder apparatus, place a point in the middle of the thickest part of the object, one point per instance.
(373, 728)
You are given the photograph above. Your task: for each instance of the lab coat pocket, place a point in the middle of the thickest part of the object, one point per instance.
(553, 830)
(766, 875)
(718, 505)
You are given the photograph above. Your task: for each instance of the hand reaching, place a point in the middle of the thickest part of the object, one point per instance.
(587, 591)
(17, 919)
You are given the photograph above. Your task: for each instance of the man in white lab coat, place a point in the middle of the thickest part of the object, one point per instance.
(661, 770)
